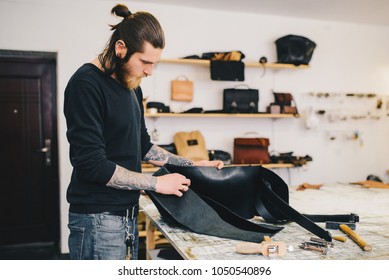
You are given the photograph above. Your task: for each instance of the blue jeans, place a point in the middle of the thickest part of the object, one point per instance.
(102, 237)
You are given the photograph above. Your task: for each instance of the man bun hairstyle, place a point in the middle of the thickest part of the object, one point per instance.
(135, 29)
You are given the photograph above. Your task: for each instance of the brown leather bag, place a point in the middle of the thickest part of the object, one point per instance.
(286, 102)
(251, 151)
(181, 89)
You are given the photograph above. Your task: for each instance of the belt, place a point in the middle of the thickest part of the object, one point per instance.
(121, 213)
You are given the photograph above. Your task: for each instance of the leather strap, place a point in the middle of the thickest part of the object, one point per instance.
(291, 214)
(346, 218)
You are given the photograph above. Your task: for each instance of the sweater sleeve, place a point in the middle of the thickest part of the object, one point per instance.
(145, 137)
(84, 111)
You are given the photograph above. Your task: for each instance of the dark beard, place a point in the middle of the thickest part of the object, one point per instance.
(124, 77)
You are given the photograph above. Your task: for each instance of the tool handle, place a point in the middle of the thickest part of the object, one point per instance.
(248, 248)
(355, 237)
(339, 238)
(265, 248)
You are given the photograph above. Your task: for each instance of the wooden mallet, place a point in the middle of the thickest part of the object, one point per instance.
(355, 237)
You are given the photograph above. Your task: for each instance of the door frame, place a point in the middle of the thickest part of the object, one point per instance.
(53, 176)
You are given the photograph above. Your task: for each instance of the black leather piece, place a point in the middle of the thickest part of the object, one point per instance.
(264, 207)
(248, 191)
(291, 213)
(236, 187)
(206, 216)
(346, 218)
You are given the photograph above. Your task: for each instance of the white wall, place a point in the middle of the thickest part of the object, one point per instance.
(348, 58)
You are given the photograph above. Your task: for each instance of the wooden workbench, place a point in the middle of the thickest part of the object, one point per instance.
(372, 206)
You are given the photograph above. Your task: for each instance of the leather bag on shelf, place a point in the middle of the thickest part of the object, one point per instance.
(159, 106)
(224, 156)
(222, 70)
(171, 148)
(227, 56)
(182, 89)
(286, 103)
(191, 145)
(294, 49)
(240, 100)
(251, 150)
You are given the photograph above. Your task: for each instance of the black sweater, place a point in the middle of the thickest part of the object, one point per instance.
(105, 127)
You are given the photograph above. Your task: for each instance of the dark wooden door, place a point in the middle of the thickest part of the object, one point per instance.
(29, 193)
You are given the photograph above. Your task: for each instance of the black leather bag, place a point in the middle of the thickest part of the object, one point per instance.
(224, 156)
(294, 49)
(222, 70)
(171, 148)
(240, 100)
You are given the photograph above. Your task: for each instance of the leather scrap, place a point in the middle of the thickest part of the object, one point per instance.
(305, 186)
(372, 184)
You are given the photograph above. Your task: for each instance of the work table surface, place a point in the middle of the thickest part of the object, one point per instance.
(370, 204)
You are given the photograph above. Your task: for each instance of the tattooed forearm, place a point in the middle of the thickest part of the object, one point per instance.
(177, 160)
(124, 179)
(158, 156)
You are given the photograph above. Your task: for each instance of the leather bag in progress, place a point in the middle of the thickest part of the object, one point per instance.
(235, 193)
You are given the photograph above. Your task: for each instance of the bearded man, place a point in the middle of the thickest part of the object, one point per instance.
(108, 140)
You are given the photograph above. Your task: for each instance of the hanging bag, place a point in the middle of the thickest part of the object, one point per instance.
(294, 49)
(191, 145)
(182, 89)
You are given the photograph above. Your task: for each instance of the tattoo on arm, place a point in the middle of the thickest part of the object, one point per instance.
(158, 156)
(124, 179)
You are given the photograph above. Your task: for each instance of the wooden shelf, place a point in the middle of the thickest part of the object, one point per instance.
(205, 62)
(219, 115)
